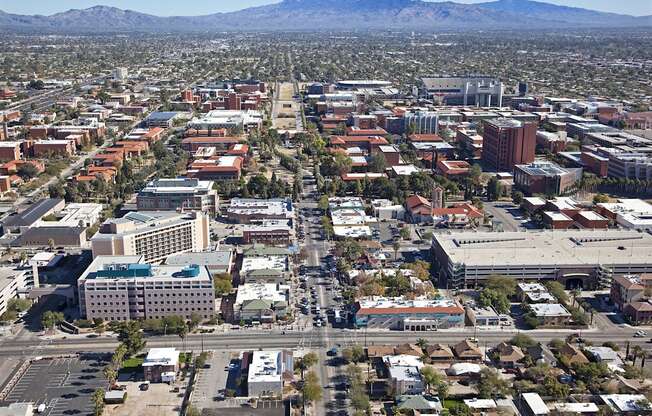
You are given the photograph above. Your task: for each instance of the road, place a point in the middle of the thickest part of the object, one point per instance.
(242, 340)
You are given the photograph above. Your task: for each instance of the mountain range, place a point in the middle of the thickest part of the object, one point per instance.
(335, 15)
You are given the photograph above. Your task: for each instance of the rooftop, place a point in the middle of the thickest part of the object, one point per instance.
(549, 310)
(161, 356)
(133, 267)
(266, 291)
(265, 367)
(398, 305)
(553, 248)
(177, 185)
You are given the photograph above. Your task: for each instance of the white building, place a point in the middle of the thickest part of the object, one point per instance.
(479, 91)
(178, 194)
(11, 282)
(629, 213)
(75, 215)
(154, 235)
(120, 73)
(265, 376)
(227, 119)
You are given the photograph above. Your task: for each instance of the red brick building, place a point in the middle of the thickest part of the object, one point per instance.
(507, 143)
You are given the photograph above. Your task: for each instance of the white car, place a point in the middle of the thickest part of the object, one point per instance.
(640, 334)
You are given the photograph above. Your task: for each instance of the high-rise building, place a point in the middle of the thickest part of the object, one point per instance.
(508, 142)
(153, 235)
(121, 288)
(120, 73)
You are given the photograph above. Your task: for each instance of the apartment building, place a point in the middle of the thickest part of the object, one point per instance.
(11, 281)
(121, 288)
(178, 194)
(153, 235)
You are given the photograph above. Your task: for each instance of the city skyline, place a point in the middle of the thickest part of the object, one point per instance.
(201, 7)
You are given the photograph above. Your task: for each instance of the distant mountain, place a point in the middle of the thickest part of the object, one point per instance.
(333, 15)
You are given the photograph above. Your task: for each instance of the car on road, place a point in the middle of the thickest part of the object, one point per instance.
(332, 352)
(640, 334)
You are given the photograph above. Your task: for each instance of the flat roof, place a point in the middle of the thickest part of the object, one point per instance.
(207, 258)
(556, 248)
(264, 291)
(161, 356)
(397, 305)
(547, 310)
(177, 185)
(557, 216)
(535, 403)
(107, 268)
(32, 214)
(265, 367)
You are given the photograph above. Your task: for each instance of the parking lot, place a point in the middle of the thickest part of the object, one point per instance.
(65, 385)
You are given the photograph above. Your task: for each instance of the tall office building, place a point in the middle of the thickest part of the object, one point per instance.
(508, 142)
(121, 288)
(120, 73)
(153, 235)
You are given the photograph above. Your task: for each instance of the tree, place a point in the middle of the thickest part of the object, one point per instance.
(50, 319)
(132, 338)
(491, 385)
(432, 379)
(552, 387)
(396, 247)
(557, 290)
(422, 343)
(98, 401)
(182, 331)
(27, 171)
(311, 388)
(110, 373)
(222, 287)
(522, 341)
(192, 411)
(503, 284)
(600, 199)
(405, 233)
(377, 163)
(304, 363)
(323, 203)
(354, 354)
(495, 299)
(51, 244)
(494, 189)
(517, 198)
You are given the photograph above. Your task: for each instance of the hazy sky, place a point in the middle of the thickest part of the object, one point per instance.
(198, 7)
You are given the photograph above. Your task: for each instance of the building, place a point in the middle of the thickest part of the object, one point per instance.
(267, 371)
(628, 293)
(534, 293)
(11, 282)
(421, 122)
(178, 194)
(44, 236)
(18, 222)
(153, 235)
(507, 143)
(120, 74)
(217, 262)
(628, 213)
(249, 210)
(221, 168)
(162, 119)
(268, 232)
(627, 404)
(485, 317)
(531, 404)
(121, 288)
(548, 178)
(574, 409)
(470, 141)
(478, 91)
(406, 380)
(550, 314)
(18, 409)
(48, 148)
(574, 257)
(73, 215)
(410, 315)
(10, 151)
(236, 119)
(161, 365)
(261, 302)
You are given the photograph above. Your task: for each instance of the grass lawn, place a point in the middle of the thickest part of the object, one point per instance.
(132, 363)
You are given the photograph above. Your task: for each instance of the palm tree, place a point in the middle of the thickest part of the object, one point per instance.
(183, 332)
(422, 343)
(637, 351)
(396, 246)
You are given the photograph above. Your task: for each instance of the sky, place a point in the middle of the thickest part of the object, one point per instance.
(199, 7)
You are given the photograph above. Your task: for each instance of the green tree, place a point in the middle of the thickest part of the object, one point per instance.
(405, 233)
(222, 287)
(131, 336)
(27, 171)
(311, 390)
(522, 341)
(492, 385)
(110, 373)
(323, 203)
(377, 163)
(517, 198)
(557, 290)
(192, 411)
(98, 401)
(50, 319)
(494, 298)
(494, 189)
(600, 199)
(504, 284)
